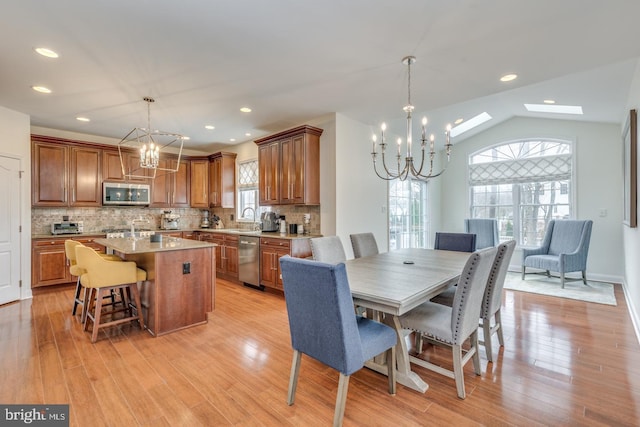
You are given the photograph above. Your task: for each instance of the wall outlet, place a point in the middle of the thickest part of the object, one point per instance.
(603, 213)
(186, 268)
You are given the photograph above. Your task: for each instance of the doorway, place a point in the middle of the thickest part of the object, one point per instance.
(10, 246)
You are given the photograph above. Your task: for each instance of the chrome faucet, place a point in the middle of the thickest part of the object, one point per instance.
(254, 214)
(133, 228)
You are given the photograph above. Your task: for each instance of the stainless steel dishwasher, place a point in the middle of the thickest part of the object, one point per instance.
(249, 261)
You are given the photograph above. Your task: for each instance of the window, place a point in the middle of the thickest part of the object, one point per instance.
(407, 214)
(523, 184)
(248, 190)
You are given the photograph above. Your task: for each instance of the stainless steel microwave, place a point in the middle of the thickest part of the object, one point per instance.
(125, 194)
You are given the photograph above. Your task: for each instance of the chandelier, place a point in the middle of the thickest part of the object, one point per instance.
(148, 143)
(409, 169)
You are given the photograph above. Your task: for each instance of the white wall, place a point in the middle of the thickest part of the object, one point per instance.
(15, 141)
(598, 151)
(632, 235)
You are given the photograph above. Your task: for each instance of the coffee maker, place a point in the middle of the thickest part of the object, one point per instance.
(269, 221)
(205, 220)
(169, 221)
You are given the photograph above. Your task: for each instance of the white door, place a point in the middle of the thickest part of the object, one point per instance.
(9, 229)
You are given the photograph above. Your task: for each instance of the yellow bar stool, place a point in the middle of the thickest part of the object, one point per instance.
(101, 277)
(70, 252)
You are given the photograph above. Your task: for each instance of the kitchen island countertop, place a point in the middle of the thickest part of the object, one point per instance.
(144, 245)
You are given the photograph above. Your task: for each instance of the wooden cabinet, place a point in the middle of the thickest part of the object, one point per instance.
(222, 180)
(289, 167)
(271, 249)
(191, 235)
(63, 175)
(200, 183)
(49, 265)
(226, 252)
(112, 167)
(171, 189)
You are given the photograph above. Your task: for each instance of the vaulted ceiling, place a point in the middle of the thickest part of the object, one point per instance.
(291, 61)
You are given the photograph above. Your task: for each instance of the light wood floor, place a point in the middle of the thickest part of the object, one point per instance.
(564, 363)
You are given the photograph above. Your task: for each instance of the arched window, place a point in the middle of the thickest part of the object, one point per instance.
(523, 184)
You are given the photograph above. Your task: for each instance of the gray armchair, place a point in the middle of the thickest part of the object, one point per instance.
(486, 231)
(564, 249)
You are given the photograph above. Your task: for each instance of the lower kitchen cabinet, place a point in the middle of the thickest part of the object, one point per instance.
(226, 253)
(271, 249)
(49, 264)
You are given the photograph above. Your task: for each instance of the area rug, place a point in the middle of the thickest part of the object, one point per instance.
(598, 292)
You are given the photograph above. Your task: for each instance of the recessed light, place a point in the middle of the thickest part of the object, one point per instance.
(245, 109)
(470, 124)
(458, 121)
(186, 138)
(508, 77)
(247, 134)
(46, 52)
(210, 127)
(559, 109)
(549, 101)
(232, 140)
(41, 89)
(83, 119)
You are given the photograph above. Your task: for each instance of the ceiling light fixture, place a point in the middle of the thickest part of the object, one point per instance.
(148, 143)
(549, 101)
(46, 52)
(558, 109)
(245, 109)
(41, 89)
(409, 169)
(83, 119)
(508, 77)
(209, 127)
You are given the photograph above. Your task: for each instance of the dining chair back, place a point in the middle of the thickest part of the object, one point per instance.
(324, 326)
(363, 244)
(485, 229)
(328, 249)
(461, 242)
(453, 326)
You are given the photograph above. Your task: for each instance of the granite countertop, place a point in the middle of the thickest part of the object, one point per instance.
(144, 244)
(236, 231)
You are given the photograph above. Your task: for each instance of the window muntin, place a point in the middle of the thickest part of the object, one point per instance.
(248, 190)
(523, 184)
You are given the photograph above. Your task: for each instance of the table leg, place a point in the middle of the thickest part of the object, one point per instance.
(404, 374)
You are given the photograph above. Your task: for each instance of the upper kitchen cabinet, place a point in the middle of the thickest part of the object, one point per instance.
(112, 167)
(222, 180)
(171, 189)
(200, 183)
(64, 174)
(289, 167)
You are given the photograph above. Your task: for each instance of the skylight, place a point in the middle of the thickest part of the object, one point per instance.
(470, 124)
(559, 109)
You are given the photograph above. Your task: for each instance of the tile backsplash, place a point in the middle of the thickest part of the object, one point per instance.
(97, 219)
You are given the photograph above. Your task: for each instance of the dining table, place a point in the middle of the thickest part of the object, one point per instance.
(391, 284)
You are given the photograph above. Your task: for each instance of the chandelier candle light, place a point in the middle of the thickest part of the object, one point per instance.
(409, 168)
(148, 144)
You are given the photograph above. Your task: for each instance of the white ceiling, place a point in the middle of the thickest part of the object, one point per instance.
(294, 60)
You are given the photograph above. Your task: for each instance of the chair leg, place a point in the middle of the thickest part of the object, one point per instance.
(548, 274)
(584, 277)
(391, 366)
(523, 268)
(76, 299)
(341, 400)
(458, 374)
(293, 377)
(96, 315)
(486, 331)
(89, 304)
(562, 280)
(419, 342)
(499, 328)
(136, 299)
(476, 355)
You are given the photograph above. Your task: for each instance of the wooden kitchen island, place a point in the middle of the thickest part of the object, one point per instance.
(180, 285)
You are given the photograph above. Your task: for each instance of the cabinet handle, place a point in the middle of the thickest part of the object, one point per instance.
(73, 194)
(168, 198)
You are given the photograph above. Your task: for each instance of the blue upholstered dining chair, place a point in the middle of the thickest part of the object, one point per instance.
(363, 244)
(461, 242)
(453, 326)
(486, 231)
(324, 326)
(564, 249)
(491, 302)
(327, 249)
